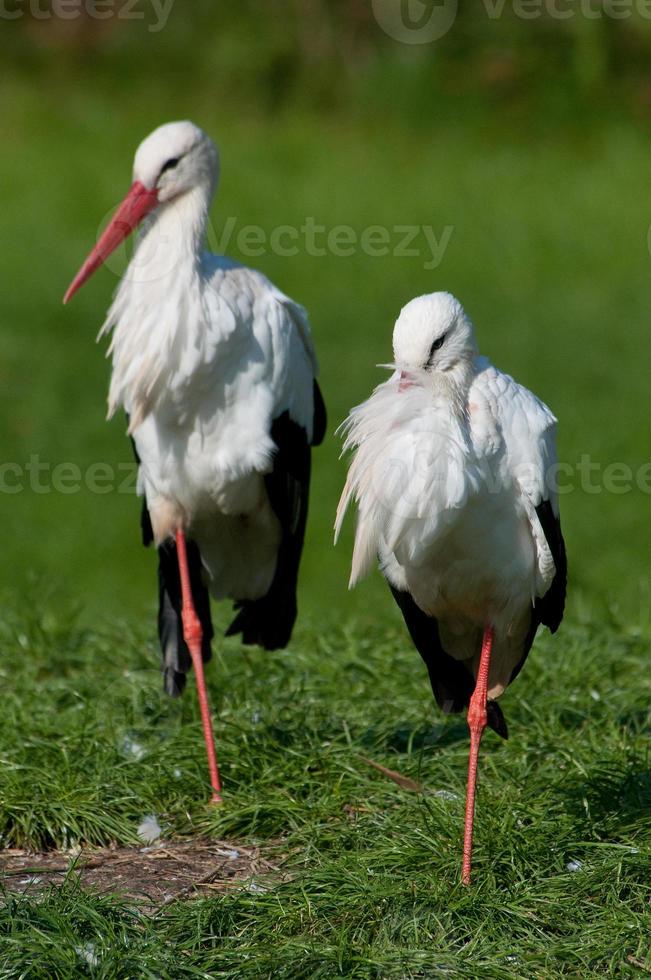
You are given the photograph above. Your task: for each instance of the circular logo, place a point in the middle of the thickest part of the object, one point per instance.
(415, 21)
(149, 252)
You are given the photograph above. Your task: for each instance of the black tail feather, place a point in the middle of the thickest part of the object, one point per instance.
(266, 622)
(175, 654)
(496, 719)
(548, 609)
(320, 422)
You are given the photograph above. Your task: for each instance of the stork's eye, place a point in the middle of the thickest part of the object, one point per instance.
(169, 165)
(438, 343)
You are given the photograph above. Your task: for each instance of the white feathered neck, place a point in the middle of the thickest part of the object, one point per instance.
(158, 309)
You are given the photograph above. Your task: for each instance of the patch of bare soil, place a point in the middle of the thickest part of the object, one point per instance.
(155, 875)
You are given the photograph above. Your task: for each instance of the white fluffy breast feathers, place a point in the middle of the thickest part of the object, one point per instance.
(413, 470)
(419, 458)
(204, 347)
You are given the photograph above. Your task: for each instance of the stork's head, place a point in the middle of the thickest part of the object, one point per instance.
(174, 160)
(432, 335)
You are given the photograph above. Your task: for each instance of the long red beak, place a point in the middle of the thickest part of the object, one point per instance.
(137, 205)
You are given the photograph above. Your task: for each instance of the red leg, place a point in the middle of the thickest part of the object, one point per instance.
(476, 724)
(193, 635)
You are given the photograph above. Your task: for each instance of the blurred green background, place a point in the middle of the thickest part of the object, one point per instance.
(528, 139)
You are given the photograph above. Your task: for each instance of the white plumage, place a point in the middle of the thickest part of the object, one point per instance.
(452, 458)
(205, 354)
(215, 368)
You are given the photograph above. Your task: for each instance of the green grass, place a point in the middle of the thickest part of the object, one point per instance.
(374, 870)
(549, 253)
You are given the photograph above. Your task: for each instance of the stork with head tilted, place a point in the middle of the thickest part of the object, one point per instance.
(216, 370)
(453, 478)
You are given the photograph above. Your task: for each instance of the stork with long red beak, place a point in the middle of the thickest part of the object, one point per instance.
(453, 475)
(216, 370)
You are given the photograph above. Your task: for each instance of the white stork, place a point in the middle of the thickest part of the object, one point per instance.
(452, 478)
(216, 370)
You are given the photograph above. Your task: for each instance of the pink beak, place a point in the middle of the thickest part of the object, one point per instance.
(138, 203)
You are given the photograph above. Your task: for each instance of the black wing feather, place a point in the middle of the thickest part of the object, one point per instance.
(145, 521)
(452, 683)
(320, 419)
(268, 622)
(548, 609)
